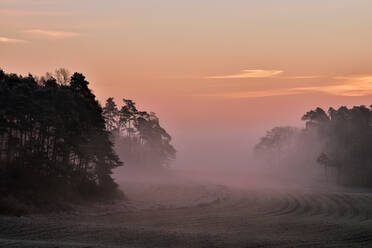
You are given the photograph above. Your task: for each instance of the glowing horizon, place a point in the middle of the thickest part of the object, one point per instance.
(234, 55)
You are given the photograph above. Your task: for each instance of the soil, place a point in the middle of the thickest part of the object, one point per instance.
(197, 215)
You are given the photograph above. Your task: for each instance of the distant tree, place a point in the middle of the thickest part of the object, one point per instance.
(140, 139)
(340, 140)
(62, 76)
(155, 139)
(127, 115)
(277, 143)
(317, 116)
(323, 160)
(316, 119)
(111, 113)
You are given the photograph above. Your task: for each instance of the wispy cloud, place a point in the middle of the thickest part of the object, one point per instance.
(262, 74)
(301, 77)
(358, 85)
(52, 33)
(10, 40)
(252, 94)
(251, 74)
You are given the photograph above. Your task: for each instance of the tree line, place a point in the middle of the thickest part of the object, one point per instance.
(138, 136)
(339, 140)
(55, 136)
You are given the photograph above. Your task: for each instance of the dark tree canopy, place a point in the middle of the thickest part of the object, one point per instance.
(53, 136)
(340, 139)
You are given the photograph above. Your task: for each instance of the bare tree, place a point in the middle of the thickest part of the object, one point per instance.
(62, 76)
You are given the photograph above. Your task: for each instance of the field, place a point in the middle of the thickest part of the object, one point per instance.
(205, 215)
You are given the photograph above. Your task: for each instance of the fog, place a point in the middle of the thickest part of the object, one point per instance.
(227, 157)
(214, 150)
(208, 143)
(230, 185)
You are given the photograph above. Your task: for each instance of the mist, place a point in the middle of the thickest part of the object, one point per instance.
(185, 124)
(227, 157)
(122, 176)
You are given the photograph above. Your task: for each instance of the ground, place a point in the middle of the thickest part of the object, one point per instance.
(204, 215)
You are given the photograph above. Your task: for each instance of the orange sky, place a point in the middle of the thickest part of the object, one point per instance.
(204, 66)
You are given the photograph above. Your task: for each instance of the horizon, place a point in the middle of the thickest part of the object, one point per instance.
(212, 70)
(186, 123)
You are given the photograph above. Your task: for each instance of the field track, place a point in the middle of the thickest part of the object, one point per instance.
(217, 217)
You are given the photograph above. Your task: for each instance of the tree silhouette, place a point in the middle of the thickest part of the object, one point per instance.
(53, 136)
(110, 113)
(340, 139)
(140, 140)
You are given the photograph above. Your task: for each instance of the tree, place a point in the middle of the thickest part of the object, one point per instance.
(53, 136)
(140, 140)
(62, 76)
(111, 113)
(339, 140)
(277, 144)
(127, 115)
(323, 160)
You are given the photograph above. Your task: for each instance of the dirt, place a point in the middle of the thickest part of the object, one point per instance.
(181, 215)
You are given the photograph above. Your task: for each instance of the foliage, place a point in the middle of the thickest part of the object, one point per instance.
(278, 145)
(340, 139)
(139, 138)
(53, 136)
(347, 134)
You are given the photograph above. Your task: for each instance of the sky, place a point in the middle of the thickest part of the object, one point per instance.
(218, 73)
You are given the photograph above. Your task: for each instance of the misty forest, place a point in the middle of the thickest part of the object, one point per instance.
(185, 124)
(75, 172)
(340, 141)
(58, 143)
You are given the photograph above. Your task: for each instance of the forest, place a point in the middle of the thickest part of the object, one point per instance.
(58, 143)
(138, 136)
(339, 141)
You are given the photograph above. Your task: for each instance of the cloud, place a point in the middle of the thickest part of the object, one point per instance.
(10, 40)
(301, 77)
(359, 85)
(53, 34)
(262, 74)
(251, 74)
(253, 94)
